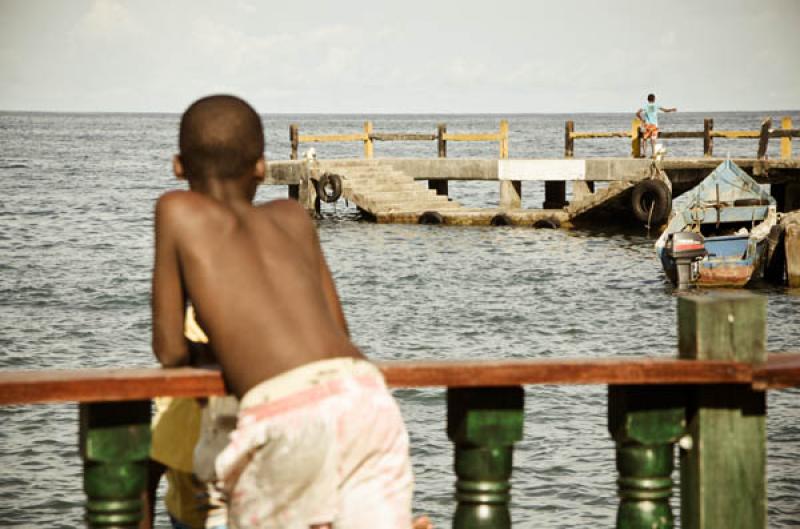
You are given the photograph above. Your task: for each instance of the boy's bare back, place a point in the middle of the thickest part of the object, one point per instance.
(255, 274)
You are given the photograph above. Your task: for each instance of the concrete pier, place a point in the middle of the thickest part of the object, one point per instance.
(385, 190)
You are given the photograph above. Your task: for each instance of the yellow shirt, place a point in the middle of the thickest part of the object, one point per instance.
(175, 430)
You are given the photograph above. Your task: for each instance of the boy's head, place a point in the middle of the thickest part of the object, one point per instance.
(651, 98)
(220, 137)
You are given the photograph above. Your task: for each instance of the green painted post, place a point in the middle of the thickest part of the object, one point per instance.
(645, 422)
(115, 446)
(723, 473)
(484, 424)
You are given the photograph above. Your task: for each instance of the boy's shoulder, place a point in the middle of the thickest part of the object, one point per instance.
(183, 205)
(178, 200)
(289, 215)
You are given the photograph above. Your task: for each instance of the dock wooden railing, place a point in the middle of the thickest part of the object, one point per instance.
(368, 137)
(509, 191)
(710, 401)
(763, 134)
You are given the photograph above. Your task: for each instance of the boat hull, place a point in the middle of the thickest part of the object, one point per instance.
(720, 269)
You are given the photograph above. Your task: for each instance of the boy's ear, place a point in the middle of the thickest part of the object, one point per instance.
(177, 167)
(260, 170)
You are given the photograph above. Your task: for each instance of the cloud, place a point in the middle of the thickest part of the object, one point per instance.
(461, 72)
(107, 19)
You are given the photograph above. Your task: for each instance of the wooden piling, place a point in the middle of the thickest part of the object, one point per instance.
(786, 141)
(792, 247)
(510, 190)
(440, 186)
(763, 138)
(708, 139)
(368, 145)
(503, 139)
(484, 423)
(294, 140)
(636, 138)
(723, 468)
(569, 141)
(441, 132)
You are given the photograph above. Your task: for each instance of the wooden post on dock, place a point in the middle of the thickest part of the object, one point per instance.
(503, 139)
(580, 188)
(636, 138)
(569, 141)
(645, 422)
(763, 138)
(368, 140)
(723, 468)
(440, 186)
(708, 139)
(510, 190)
(115, 447)
(294, 140)
(484, 424)
(786, 142)
(792, 247)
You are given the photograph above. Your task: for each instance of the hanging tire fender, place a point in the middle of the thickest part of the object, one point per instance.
(330, 187)
(651, 194)
(430, 218)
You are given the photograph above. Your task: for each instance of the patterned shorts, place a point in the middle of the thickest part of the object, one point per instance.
(332, 450)
(650, 131)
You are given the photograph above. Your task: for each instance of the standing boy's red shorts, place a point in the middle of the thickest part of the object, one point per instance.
(650, 131)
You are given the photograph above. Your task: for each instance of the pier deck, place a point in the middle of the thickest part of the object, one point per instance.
(388, 191)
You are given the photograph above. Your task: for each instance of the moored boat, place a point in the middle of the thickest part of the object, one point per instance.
(717, 234)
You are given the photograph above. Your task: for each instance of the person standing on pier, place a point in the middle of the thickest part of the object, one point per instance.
(648, 115)
(319, 441)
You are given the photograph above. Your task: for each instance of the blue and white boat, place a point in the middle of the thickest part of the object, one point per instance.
(717, 234)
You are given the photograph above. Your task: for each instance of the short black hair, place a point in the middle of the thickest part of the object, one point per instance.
(220, 136)
(651, 98)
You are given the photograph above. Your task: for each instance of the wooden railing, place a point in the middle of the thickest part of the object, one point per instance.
(368, 137)
(710, 401)
(763, 134)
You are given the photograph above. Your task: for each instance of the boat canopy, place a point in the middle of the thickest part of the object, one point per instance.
(728, 194)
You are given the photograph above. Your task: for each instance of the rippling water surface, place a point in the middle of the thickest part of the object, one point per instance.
(76, 198)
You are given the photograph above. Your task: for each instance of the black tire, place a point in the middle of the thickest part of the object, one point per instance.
(330, 187)
(501, 219)
(651, 194)
(430, 218)
(548, 223)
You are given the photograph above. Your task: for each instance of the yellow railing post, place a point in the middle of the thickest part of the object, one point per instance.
(786, 143)
(503, 139)
(636, 138)
(368, 139)
(510, 190)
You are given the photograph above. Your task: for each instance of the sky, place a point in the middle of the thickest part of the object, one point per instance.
(409, 56)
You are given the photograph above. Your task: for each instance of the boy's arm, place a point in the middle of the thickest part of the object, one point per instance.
(668, 109)
(168, 297)
(639, 115)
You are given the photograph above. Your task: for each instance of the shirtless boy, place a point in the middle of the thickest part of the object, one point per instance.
(319, 440)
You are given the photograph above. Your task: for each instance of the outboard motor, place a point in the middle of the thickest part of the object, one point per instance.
(687, 249)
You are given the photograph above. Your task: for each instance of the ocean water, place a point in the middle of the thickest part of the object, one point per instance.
(76, 199)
